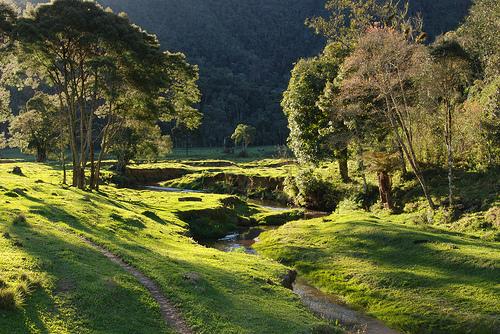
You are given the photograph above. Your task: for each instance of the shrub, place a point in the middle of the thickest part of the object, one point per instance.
(310, 191)
(7, 298)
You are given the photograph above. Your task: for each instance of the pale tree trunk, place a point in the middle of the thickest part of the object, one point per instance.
(449, 148)
(402, 158)
(405, 141)
(361, 168)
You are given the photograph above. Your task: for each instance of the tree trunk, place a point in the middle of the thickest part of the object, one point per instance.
(80, 178)
(63, 163)
(384, 187)
(97, 171)
(361, 168)
(397, 124)
(41, 154)
(449, 147)
(92, 181)
(402, 159)
(343, 165)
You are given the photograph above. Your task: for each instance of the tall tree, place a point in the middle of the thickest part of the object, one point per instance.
(386, 64)
(100, 66)
(349, 19)
(8, 18)
(445, 84)
(479, 34)
(310, 127)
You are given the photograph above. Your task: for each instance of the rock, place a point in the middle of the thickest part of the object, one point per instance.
(17, 171)
(190, 199)
(288, 279)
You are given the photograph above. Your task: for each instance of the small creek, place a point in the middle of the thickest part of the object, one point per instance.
(322, 304)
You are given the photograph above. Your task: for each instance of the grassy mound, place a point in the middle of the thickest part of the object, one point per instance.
(417, 280)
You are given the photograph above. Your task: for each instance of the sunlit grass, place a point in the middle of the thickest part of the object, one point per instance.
(418, 280)
(81, 291)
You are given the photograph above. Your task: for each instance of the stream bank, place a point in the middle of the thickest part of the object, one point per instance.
(243, 238)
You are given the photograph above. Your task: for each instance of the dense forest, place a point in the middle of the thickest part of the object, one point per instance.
(245, 51)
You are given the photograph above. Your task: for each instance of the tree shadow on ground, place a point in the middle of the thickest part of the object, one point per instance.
(66, 258)
(404, 261)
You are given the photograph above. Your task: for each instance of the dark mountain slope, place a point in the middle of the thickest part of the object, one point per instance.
(245, 50)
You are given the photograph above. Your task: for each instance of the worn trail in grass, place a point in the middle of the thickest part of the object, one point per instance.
(80, 291)
(168, 311)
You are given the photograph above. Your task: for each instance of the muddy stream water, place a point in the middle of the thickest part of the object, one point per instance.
(322, 304)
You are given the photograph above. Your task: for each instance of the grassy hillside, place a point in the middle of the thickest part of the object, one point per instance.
(52, 281)
(417, 280)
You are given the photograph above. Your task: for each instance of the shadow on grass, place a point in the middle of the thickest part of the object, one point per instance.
(89, 275)
(405, 262)
(475, 190)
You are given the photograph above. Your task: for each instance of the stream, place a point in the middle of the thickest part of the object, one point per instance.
(322, 304)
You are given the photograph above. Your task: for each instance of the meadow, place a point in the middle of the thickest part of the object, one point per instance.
(52, 281)
(416, 275)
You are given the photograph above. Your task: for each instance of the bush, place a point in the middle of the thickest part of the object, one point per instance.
(310, 191)
(7, 299)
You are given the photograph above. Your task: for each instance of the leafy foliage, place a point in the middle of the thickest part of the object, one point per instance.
(245, 50)
(311, 191)
(37, 129)
(244, 134)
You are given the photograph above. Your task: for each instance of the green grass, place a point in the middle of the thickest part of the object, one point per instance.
(417, 280)
(205, 153)
(414, 270)
(80, 291)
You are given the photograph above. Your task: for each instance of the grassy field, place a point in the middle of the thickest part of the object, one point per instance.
(417, 280)
(419, 272)
(58, 284)
(206, 153)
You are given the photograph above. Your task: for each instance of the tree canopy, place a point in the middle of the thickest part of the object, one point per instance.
(245, 51)
(105, 71)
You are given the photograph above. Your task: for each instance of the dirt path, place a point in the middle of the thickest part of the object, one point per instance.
(170, 314)
(324, 306)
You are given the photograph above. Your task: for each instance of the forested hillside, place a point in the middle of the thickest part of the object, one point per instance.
(245, 51)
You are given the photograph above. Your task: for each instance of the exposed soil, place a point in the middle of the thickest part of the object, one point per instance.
(136, 176)
(209, 163)
(170, 314)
